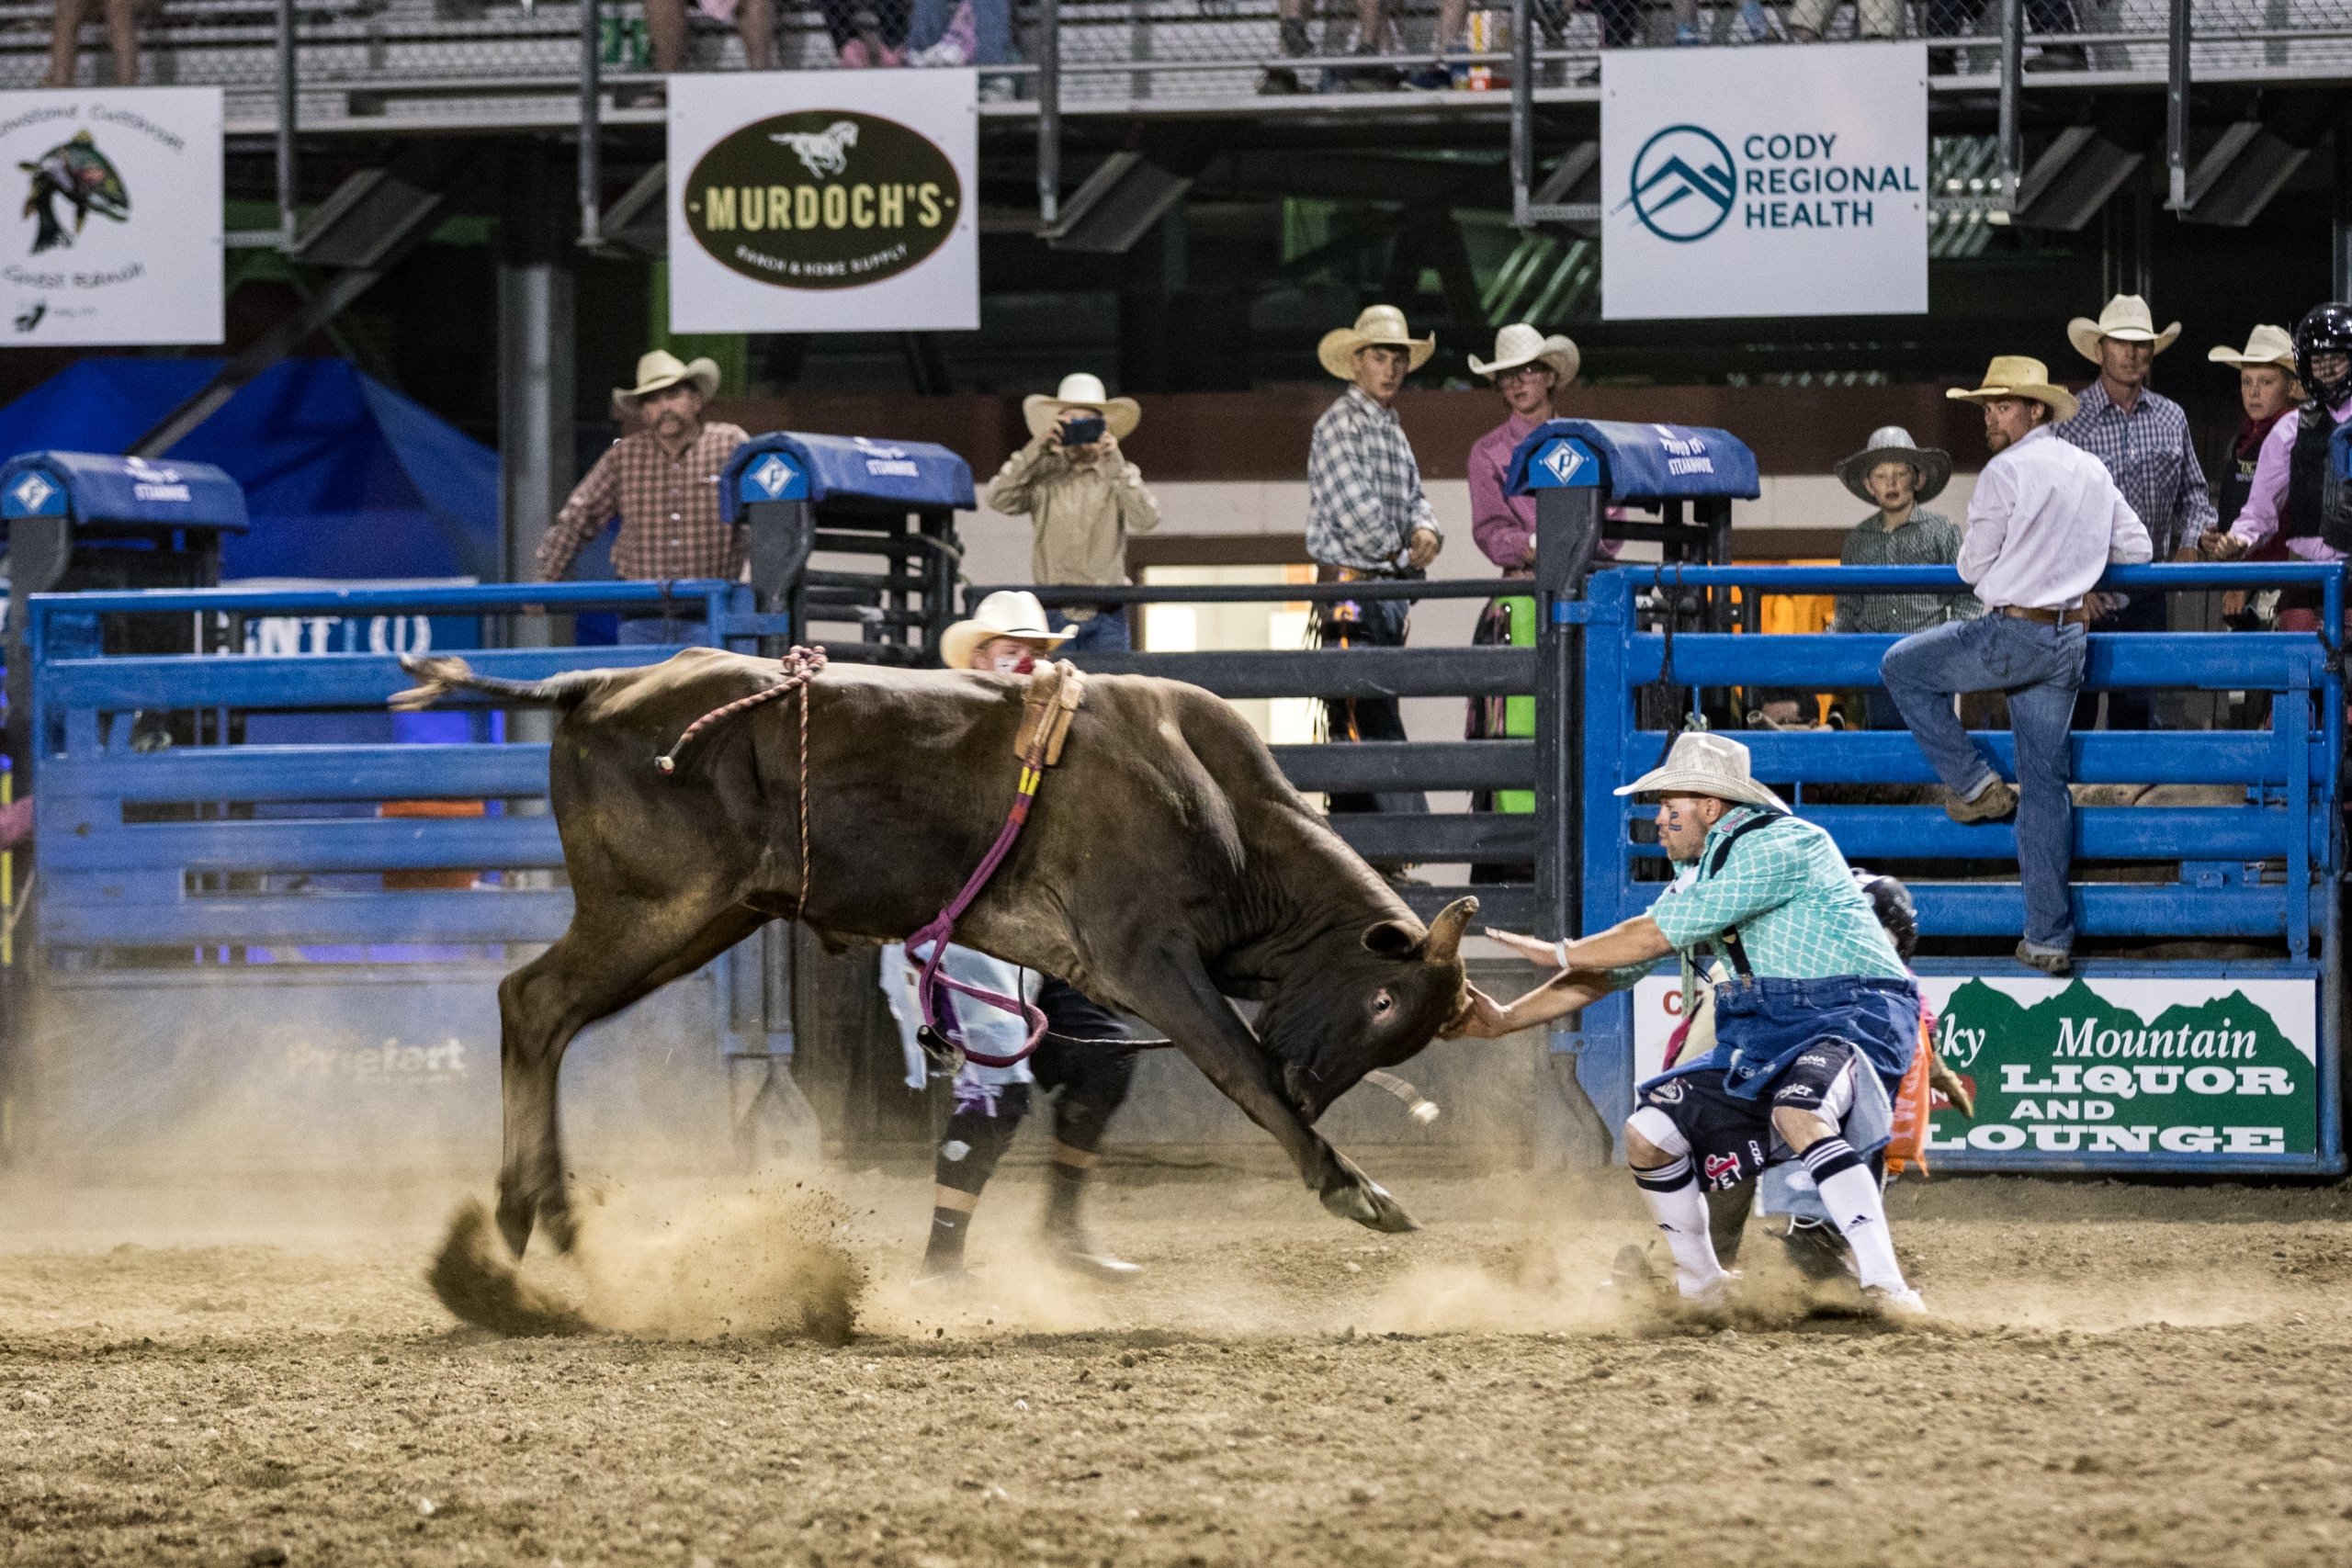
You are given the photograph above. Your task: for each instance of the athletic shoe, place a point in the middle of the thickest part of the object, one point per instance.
(1712, 1304)
(1895, 1304)
(943, 1279)
(946, 52)
(1430, 79)
(1995, 801)
(2058, 963)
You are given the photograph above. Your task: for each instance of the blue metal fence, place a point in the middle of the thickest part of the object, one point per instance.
(2266, 869)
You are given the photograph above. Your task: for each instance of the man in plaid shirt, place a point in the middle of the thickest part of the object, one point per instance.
(661, 479)
(1367, 518)
(1813, 1031)
(2143, 437)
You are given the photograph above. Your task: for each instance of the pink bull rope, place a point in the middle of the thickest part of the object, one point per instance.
(930, 989)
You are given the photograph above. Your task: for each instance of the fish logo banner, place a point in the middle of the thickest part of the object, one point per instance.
(824, 201)
(116, 226)
(1764, 182)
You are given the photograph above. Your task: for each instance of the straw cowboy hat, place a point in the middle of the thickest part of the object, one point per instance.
(1705, 763)
(1009, 611)
(1120, 415)
(2014, 376)
(1520, 344)
(662, 368)
(2126, 318)
(2264, 345)
(1379, 324)
(1893, 443)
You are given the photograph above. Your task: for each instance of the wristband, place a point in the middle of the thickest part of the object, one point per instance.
(1560, 952)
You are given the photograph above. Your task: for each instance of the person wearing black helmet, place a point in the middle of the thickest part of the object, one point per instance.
(2289, 477)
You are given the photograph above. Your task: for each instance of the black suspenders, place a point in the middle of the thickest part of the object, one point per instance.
(1712, 866)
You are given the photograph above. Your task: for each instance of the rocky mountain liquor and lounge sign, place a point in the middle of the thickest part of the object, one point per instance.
(816, 201)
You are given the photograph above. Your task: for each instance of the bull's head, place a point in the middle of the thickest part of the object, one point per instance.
(1364, 1000)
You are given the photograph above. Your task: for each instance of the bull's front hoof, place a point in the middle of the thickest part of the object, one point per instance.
(514, 1218)
(1369, 1204)
(518, 1216)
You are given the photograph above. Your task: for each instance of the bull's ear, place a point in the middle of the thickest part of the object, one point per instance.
(1445, 931)
(1391, 938)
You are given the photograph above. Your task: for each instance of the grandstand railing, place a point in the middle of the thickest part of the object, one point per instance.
(378, 64)
(209, 849)
(2263, 875)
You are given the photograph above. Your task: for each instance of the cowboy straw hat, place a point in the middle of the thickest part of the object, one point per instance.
(2126, 318)
(1520, 344)
(662, 368)
(2014, 376)
(1009, 611)
(1379, 324)
(1705, 763)
(1120, 415)
(2264, 345)
(1893, 443)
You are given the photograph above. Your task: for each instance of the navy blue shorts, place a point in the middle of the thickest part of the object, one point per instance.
(1731, 1137)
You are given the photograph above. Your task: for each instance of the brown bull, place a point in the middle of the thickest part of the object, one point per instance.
(1168, 866)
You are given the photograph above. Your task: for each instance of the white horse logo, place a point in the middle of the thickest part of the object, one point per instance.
(826, 151)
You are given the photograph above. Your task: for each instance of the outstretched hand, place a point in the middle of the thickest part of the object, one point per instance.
(1481, 1018)
(1533, 949)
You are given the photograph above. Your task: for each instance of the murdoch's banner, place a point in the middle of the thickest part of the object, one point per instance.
(824, 201)
(118, 234)
(1764, 182)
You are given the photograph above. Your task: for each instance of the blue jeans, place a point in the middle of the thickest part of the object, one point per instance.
(991, 27)
(1106, 631)
(637, 631)
(2041, 668)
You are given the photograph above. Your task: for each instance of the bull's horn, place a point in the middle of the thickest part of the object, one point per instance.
(1445, 931)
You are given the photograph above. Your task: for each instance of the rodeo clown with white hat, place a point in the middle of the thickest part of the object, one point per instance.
(1817, 1022)
(1086, 1060)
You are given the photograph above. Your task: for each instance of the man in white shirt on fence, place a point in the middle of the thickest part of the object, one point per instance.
(2045, 521)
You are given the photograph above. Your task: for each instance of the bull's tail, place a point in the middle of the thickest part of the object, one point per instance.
(438, 676)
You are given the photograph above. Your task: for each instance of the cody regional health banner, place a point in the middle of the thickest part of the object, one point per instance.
(2132, 1071)
(824, 201)
(114, 229)
(1764, 182)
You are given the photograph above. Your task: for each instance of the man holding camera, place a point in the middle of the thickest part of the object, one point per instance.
(1083, 497)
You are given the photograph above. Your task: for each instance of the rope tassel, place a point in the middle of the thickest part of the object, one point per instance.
(799, 667)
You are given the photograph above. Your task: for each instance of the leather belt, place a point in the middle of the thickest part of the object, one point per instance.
(2078, 616)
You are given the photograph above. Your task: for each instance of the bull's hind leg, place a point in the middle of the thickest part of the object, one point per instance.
(1175, 994)
(612, 955)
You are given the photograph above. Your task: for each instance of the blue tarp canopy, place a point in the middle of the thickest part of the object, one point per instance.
(787, 466)
(1639, 462)
(97, 487)
(343, 477)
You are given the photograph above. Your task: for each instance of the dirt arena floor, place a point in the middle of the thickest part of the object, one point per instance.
(2128, 1375)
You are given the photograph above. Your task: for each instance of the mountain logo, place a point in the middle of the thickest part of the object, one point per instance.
(1682, 185)
(77, 172)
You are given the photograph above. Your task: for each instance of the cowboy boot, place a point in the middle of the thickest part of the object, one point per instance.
(1065, 1232)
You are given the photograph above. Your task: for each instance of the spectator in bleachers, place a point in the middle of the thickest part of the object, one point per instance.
(1898, 476)
(1367, 518)
(2283, 502)
(754, 20)
(964, 33)
(1371, 33)
(65, 43)
(2143, 437)
(1952, 18)
(867, 32)
(1082, 498)
(1809, 19)
(2044, 526)
(661, 481)
(2266, 389)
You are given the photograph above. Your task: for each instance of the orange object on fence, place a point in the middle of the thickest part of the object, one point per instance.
(431, 881)
(1907, 1143)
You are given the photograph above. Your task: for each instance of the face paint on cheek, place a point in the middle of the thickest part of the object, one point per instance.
(1014, 663)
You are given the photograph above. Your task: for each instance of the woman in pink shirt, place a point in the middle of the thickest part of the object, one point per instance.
(2284, 498)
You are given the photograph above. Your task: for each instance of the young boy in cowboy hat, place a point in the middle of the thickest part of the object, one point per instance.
(2044, 526)
(1898, 476)
(2143, 437)
(1819, 1009)
(2284, 500)
(1367, 517)
(1086, 1059)
(1083, 497)
(2266, 389)
(661, 479)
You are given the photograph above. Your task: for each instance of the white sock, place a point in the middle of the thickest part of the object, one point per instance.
(1681, 1212)
(1851, 1196)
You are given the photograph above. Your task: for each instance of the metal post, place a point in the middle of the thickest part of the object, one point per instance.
(2340, 219)
(1523, 114)
(592, 146)
(2011, 130)
(2177, 109)
(1567, 530)
(1049, 110)
(287, 215)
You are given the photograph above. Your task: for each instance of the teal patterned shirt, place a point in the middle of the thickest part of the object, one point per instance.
(1799, 914)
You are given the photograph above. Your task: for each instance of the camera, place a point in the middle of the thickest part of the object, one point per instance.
(1085, 429)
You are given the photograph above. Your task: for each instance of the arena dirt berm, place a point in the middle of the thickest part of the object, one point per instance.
(2126, 1375)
